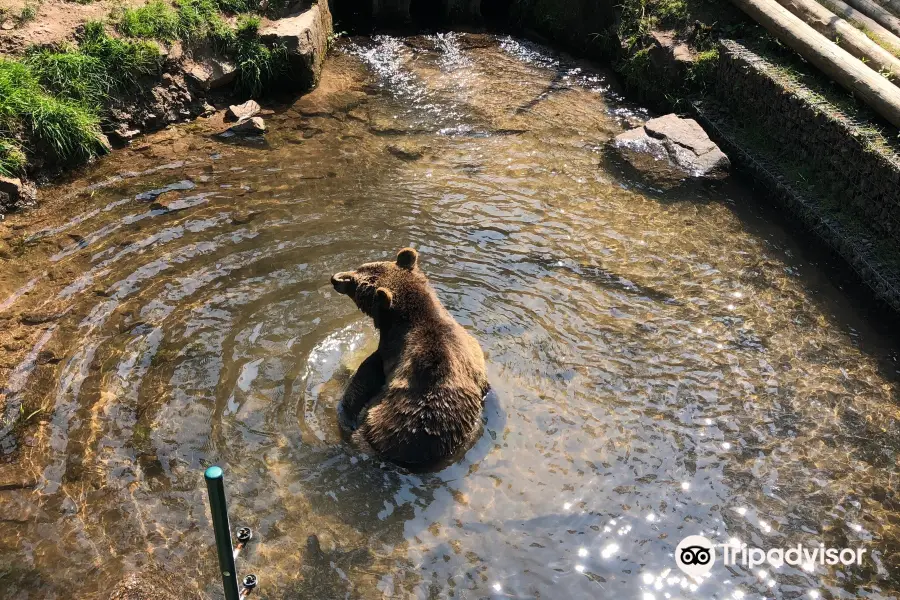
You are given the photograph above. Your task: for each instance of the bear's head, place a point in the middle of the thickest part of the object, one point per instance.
(385, 289)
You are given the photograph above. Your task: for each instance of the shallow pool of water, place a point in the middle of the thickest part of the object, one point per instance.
(664, 363)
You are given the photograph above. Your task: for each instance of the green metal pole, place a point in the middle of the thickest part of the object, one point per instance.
(215, 485)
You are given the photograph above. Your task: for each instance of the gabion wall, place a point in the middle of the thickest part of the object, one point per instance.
(863, 179)
(859, 178)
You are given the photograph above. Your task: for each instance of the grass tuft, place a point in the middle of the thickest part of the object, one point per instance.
(64, 127)
(126, 60)
(71, 74)
(238, 6)
(53, 98)
(29, 12)
(198, 21)
(156, 19)
(193, 21)
(259, 66)
(703, 69)
(12, 159)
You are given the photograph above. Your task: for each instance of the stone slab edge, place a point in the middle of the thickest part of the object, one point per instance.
(306, 36)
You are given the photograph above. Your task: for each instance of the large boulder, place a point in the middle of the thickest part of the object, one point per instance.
(305, 35)
(670, 147)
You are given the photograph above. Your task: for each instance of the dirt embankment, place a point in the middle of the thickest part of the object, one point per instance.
(52, 22)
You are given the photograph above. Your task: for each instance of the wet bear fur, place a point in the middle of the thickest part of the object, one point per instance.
(418, 399)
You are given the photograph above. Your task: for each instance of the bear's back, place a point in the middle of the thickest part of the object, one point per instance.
(432, 405)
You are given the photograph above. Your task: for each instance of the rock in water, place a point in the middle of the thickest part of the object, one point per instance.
(251, 126)
(406, 151)
(239, 112)
(681, 143)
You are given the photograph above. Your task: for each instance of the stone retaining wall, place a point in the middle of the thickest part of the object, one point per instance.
(854, 169)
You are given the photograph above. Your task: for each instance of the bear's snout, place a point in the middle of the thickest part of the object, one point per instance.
(343, 282)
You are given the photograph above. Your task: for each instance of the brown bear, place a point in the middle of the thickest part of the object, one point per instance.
(417, 400)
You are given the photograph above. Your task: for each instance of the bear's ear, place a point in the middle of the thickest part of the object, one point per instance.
(383, 298)
(407, 258)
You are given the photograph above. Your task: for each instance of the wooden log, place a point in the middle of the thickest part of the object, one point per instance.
(873, 89)
(885, 38)
(877, 12)
(892, 6)
(845, 35)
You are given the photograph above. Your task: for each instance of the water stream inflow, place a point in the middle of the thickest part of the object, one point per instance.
(664, 363)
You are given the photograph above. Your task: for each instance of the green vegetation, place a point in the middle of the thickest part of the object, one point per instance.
(854, 226)
(835, 101)
(697, 23)
(62, 126)
(51, 100)
(12, 159)
(637, 69)
(156, 19)
(70, 73)
(258, 65)
(704, 68)
(99, 65)
(862, 27)
(640, 17)
(187, 20)
(29, 12)
(197, 21)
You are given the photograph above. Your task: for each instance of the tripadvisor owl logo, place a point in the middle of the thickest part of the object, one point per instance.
(695, 556)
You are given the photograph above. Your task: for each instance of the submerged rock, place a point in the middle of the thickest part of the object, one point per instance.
(679, 144)
(406, 151)
(305, 35)
(21, 506)
(325, 102)
(239, 112)
(39, 318)
(151, 583)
